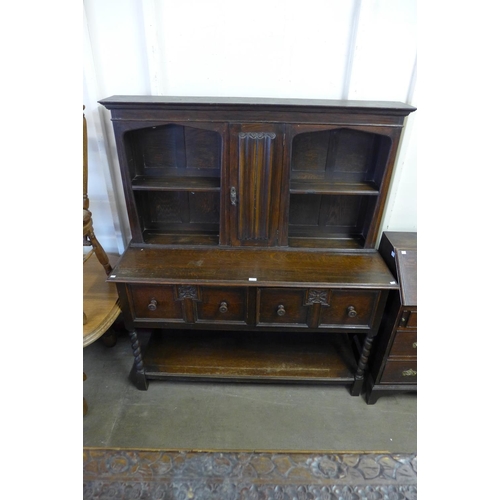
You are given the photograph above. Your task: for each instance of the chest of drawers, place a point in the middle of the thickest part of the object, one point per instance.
(253, 227)
(394, 362)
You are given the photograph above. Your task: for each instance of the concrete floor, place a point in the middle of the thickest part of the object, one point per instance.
(220, 416)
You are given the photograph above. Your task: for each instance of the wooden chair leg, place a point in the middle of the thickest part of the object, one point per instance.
(99, 252)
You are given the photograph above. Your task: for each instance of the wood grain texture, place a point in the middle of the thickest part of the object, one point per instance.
(269, 211)
(100, 299)
(255, 356)
(269, 267)
(255, 146)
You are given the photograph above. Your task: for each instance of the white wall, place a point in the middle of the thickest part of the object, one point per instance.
(337, 49)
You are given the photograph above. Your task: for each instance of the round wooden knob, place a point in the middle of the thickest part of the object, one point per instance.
(152, 305)
(351, 312)
(223, 307)
(281, 310)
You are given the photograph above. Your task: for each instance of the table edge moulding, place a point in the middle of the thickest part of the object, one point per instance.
(254, 223)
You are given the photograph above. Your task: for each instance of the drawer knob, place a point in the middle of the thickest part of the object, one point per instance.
(223, 307)
(409, 373)
(351, 312)
(281, 310)
(152, 305)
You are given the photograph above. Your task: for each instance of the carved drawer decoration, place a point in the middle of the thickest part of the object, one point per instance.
(189, 304)
(316, 308)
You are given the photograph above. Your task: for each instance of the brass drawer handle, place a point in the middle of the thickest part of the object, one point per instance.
(281, 310)
(414, 345)
(152, 305)
(232, 195)
(223, 307)
(351, 312)
(409, 373)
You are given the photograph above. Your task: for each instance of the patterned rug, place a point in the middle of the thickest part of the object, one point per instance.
(161, 474)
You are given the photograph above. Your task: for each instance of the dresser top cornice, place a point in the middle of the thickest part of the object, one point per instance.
(252, 103)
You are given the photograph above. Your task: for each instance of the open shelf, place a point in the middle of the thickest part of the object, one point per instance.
(256, 356)
(179, 216)
(142, 182)
(173, 149)
(333, 187)
(175, 176)
(335, 181)
(335, 219)
(180, 238)
(332, 242)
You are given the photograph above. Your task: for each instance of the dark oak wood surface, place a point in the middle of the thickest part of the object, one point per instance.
(253, 267)
(250, 215)
(256, 356)
(244, 102)
(394, 358)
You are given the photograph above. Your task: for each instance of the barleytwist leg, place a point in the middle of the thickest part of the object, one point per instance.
(137, 375)
(360, 372)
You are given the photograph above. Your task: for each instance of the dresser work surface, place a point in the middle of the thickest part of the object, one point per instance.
(254, 223)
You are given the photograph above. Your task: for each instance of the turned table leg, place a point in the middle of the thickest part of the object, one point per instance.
(360, 372)
(138, 374)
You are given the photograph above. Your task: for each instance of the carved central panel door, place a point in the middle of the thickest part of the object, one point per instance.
(255, 184)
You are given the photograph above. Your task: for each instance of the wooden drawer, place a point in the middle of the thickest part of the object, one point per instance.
(281, 306)
(317, 308)
(155, 302)
(400, 372)
(190, 304)
(408, 319)
(351, 309)
(405, 344)
(222, 305)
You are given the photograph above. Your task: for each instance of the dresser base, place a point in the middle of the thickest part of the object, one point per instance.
(242, 356)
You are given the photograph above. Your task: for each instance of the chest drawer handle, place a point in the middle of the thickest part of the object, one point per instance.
(152, 305)
(223, 307)
(414, 345)
(281, 310)
(351, 312)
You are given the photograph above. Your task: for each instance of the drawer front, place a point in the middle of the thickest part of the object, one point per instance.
(351, 308)
(405, 344)
(400, 372)
(155, 302)
(222, 305)
(408, 318)
(281, 306)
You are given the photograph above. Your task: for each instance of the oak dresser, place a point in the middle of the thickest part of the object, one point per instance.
(253, 231)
